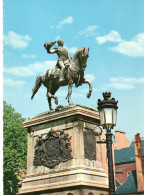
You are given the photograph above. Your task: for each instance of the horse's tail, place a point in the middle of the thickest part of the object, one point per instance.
(37, 86)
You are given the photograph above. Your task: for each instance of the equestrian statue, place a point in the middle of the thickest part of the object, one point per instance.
(68, 71)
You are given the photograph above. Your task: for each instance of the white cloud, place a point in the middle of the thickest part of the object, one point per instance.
(13, 83)
(132, 48)
(71, 50)
(124, 83)
(16, 41)
(19, 71)
(131, 80)
(120, 85)
(90, 77)
(32, 56)
(90, 30)
(40, 67)
(31, 69)
(68, 20)
(113, 36)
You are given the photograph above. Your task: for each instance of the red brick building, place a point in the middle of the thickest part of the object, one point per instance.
(129, 163)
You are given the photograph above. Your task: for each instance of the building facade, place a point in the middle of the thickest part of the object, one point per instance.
(129, 163)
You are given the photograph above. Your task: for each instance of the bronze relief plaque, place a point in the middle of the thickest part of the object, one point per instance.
(89, 145)
(52, 150)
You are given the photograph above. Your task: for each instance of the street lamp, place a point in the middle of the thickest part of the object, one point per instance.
(108, 113)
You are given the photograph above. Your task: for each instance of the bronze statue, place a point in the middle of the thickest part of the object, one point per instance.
(63, 56)
(68, 71)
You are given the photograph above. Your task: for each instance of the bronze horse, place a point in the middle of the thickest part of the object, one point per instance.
(74, 73)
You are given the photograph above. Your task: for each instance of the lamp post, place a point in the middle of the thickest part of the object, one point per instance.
(108, 113)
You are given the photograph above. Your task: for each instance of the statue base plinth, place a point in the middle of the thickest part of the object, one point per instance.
(82, 173)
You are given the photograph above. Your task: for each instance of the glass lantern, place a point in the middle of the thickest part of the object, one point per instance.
(107, 110)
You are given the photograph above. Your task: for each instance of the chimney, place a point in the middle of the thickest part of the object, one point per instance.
(139, 162)
(121, 140)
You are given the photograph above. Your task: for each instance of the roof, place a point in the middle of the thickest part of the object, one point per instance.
(117, 183)
(129, 186)
(126, 155)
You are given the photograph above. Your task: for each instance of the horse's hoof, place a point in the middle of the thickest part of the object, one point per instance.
(70, 104)
(88, 95)
(51, 108)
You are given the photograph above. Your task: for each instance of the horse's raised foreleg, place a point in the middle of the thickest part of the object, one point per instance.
(90, 87)
(70, 92)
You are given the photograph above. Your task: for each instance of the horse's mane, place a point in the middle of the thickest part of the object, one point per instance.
(77, 52)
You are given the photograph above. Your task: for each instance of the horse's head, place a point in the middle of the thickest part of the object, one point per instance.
(49, 44)
(85, 53)
(82, 55)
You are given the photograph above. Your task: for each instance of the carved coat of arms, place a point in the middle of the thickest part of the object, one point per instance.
(52, 150)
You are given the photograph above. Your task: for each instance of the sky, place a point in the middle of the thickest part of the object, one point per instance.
(114, 32)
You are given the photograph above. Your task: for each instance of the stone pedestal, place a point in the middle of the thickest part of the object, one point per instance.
(82, 174)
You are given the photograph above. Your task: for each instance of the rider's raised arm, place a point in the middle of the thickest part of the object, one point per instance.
(53, 51)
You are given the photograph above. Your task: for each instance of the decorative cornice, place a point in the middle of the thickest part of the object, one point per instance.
(82, 112)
